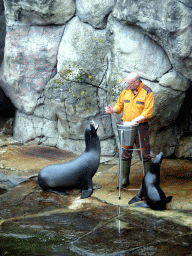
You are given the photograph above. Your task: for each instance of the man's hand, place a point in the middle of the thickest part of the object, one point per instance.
(110, 110)
(133, 122)
(137, 120)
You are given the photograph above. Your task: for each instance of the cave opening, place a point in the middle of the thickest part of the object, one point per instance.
(184, 119)
(7, 114)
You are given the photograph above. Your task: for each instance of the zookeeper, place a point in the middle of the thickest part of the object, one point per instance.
(136, 101)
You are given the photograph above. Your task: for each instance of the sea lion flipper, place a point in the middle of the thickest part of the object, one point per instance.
(168, 199)
(87, 188)
(63, 193)
(86, 193)
(134, 200)
(143, 205)
(138, 197)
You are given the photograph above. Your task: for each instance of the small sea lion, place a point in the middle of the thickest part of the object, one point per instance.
(150, 189)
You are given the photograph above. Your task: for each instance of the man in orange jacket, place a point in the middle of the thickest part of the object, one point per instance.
(136, 101)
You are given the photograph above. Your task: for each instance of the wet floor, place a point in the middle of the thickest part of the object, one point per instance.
(104, 230)
(33, 222)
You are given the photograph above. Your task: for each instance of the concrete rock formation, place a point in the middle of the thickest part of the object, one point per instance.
(64, 61)
(2, 31)
(38, 12)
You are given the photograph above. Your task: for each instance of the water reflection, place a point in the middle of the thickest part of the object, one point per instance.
(119, 221)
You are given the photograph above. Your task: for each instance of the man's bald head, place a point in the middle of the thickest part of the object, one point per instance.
(133, 81)
(134, 76)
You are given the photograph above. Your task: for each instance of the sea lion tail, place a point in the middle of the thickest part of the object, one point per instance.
(134, 200)
(168, 199)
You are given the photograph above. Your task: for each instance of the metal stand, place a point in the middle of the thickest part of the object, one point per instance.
(120, 160)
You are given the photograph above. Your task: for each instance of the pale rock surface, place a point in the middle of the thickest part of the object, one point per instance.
(133, 50)
(30, 128)
(83, 50)
(169, 22)
(38, 12)
(77, 94)
(167, 105)
(2, 31)
(29, 63)
(94, 12)
(175, 80)
(108, 146)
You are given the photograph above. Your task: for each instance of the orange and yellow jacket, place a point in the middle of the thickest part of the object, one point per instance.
(136, 105)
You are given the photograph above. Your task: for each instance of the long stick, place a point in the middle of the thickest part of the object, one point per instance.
(141, 152)
(120, 156)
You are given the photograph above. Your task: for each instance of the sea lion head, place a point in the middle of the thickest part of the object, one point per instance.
(91, 130)
(93, 125)
(158, 159)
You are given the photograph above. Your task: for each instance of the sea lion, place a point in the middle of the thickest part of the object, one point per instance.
(76, 173)
(150, 189)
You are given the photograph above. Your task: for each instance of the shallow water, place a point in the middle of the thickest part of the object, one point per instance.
(90, 233)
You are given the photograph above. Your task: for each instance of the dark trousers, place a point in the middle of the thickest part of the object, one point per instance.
(144, 136)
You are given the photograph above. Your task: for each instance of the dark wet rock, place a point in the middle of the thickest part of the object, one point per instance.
(88, 232)
(10, 181)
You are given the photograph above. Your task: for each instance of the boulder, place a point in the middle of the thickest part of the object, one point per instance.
(134, 50)
(78, 92)
(163, 140)
(29, 63)
(183, 148)
(2, 31)
(94, 12)
(38, 12)
(35, 130)
(84, 51)
(169, 22)
(175, 81)
(167, 105)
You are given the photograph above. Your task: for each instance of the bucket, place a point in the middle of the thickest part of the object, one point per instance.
(129, 133)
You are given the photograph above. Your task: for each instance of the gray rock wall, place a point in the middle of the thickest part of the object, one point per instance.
(2, 30)
(64, 61)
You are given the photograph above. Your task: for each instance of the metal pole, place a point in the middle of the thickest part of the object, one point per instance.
(119, 164)
(141, 152)
(120, 157)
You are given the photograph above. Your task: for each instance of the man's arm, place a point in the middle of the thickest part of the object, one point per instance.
(138, 119)
(149, 104)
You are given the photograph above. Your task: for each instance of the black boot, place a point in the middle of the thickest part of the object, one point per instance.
(126, 171)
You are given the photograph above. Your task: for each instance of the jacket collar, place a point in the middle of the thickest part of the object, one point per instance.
(140, 87)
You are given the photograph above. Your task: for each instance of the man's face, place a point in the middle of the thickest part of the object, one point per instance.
(132, 84)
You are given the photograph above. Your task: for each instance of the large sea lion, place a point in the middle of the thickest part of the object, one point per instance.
(150, 189)
(76, 173)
